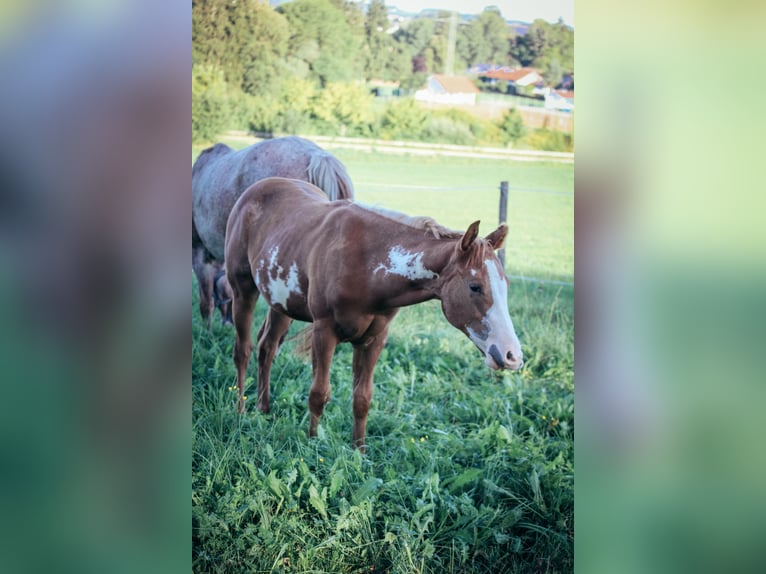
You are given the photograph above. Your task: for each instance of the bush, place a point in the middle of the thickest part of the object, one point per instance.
(550, 140)
(211, 104)
(512, 126)
(483, 131)
(346, 107)
(263, 114)
(447, 130)
(404, 119)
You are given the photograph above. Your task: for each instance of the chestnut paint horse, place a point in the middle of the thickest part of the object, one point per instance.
(220, 175)
(348, 269)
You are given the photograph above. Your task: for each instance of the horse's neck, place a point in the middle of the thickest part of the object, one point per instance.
(439, 254)
(435, 255)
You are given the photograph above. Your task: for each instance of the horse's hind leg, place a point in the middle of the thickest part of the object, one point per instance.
(205, 273)
(269, 339)
(245, 295)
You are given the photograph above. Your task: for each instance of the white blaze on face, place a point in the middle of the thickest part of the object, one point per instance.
(498, 327)
(279, 285)
(402, 262)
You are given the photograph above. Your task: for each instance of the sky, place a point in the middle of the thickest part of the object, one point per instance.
(524, 10)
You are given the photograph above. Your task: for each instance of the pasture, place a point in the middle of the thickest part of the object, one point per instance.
(467, 470)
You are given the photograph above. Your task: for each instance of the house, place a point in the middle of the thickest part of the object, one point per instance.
(521, 80)
(562, 100)
(442, 89)
(384, 88)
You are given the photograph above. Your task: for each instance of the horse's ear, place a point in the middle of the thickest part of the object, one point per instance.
(470, 236)
(497, 237)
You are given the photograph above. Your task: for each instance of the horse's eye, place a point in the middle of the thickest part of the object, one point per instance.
(475, 287)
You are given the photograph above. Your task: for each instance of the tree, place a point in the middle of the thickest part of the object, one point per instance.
(246, 40)
(399, 66)
(353, 13)
(552, 72)
(427, 42)
(209, 19)
(322, 39)
(263, 48)
(416, 35)
(379, 46)
(210, 103)
(484, 40)
(549, 47)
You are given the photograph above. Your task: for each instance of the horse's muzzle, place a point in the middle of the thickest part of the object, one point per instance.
(509, 361)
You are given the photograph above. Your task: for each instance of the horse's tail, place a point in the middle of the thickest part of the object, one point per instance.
(302, 340)
(329, 174)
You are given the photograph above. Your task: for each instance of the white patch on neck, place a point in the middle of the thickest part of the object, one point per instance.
(405, 264)
(277, 289)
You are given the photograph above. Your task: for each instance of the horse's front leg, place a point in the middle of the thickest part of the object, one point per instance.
(323, 343)
(365, 358)
(269, 339)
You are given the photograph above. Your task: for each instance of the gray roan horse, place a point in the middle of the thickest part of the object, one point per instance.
(220, 175)
(348, 269)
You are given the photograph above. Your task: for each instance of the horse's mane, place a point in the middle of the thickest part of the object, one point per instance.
(479, 251)
(427, 224)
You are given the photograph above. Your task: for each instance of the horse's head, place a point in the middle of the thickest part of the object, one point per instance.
(223, 295)
(474, 296)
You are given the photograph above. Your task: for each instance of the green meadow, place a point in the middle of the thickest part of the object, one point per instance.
(467, 470)
(457, 191)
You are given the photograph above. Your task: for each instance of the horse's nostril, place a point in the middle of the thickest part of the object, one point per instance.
(509, 356)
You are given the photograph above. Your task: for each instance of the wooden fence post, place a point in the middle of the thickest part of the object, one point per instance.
(503, 215)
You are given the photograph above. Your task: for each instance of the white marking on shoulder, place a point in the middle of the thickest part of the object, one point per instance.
(402, 262)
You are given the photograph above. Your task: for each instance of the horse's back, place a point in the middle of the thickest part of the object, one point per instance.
(277, 198)
(222, 175)
(274, 206)
(281, 157)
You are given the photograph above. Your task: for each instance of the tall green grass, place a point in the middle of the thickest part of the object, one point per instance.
(467, 470)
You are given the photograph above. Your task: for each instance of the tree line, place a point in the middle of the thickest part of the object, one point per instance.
(304, 64)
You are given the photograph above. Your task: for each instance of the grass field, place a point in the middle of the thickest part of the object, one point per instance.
(458, 191)
(467, 470)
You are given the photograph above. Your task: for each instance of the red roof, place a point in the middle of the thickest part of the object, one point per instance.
(566, 94)
(510, 75)
(456, 84)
